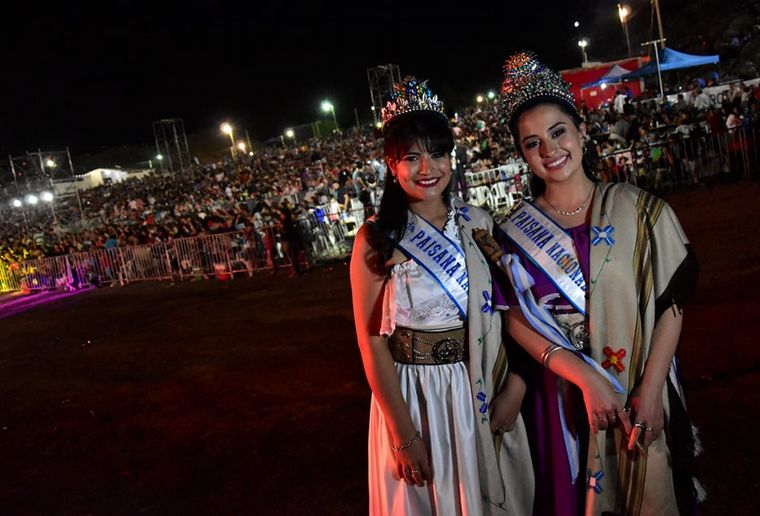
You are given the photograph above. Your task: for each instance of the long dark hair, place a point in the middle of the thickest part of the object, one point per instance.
(537, 185)
(431, 131)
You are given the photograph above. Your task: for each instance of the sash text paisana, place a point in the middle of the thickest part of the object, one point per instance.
(435, 246)
(541, 237)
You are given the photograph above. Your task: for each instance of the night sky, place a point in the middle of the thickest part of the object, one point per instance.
(88, 74)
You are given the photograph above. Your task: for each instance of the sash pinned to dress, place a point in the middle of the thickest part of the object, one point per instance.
(439, 256)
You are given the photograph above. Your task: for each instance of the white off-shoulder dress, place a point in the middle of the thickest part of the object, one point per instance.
(441, 406)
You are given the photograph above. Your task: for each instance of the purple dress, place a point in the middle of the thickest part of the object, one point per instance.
(555, 492)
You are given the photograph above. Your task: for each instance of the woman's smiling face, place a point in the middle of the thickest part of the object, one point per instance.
(423, 175)
(550, 142)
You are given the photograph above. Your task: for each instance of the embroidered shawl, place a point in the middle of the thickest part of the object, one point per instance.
(640, 265)
(506, 473)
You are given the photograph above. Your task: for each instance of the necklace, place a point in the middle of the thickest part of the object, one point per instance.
(576, 210)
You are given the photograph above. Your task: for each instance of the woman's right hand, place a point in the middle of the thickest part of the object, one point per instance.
(413, 464)
(603, 407)
(488, 245)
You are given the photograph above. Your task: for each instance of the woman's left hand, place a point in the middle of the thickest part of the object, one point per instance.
(505, 406)
(647, 412)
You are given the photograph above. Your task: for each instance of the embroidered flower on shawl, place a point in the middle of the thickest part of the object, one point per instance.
(603, 235)
(595, 480)
(464, 212)
(482, 399)
(488, 305)
(614, 359)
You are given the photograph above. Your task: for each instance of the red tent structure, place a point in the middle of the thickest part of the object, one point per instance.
(594, 96)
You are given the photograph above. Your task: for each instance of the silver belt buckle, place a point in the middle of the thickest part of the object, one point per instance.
(447, 351)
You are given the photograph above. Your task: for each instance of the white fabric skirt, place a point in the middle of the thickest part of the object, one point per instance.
(440, 402)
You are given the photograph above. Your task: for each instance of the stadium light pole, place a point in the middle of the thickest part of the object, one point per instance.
(291, 134)
(583, 43)
(661, 41)
(623, 12)
(48, 198)
(226, 128)
(328, 106)
(18, 203)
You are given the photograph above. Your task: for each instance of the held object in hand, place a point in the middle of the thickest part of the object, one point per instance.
(487, 244)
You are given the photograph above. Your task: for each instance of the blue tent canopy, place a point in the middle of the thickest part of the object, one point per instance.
(672, 60)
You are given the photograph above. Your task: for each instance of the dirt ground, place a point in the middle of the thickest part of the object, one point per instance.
(248, 397)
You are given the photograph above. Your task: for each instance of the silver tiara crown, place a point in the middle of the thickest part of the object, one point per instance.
(411, 95)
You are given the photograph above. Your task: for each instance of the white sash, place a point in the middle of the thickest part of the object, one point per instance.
(441, 257)
(551, 249)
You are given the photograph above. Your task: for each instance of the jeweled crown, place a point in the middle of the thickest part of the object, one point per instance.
(411, 95)
(525, 78)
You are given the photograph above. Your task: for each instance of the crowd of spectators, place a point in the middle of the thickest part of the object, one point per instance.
(324, 179)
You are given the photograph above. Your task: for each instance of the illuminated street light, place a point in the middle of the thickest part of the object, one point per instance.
(491, 94)
(50, 163)
(379, 125)
(32, 199)
(159, 157)
(327, 106)
(46, 196)
(576, 24)
(226, 128)
(241, 146)
(623, 12)
(290, 133)
(16, 203)
(583, 44)
(479, 99)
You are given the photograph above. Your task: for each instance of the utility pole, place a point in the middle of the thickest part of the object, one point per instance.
(656, 5)
(657, 60)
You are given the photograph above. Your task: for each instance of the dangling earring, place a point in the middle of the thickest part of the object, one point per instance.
(395, 179)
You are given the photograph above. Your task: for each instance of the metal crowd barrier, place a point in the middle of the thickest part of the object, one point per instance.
(498, 189)
(221, 256)
(9, 278)
(681, 160)
(329, 234)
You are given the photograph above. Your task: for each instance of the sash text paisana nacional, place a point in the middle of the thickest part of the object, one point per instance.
(438, 248)
(541, 237)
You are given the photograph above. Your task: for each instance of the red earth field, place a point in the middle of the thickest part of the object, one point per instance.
(248, 397)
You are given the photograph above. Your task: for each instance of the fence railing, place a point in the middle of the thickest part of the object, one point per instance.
(221, 256)
(661, 166)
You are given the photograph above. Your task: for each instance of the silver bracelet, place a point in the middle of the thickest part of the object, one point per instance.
(404, 446)
(548, 352)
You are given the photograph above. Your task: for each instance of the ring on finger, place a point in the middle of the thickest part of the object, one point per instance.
(641, 424)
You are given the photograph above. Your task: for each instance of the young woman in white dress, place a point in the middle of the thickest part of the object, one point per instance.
(442, 398)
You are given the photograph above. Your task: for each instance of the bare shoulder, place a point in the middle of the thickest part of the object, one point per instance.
(364, 258)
